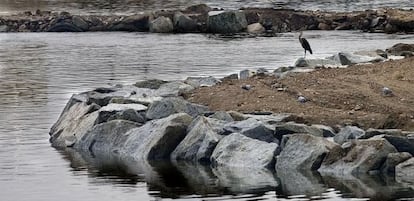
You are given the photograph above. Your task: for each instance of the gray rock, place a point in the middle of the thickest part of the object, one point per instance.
(184, 24)
(241, 151)
(372, 53)
(271, 119)
(252, 128)
(4, 28)
(348, 133)
(386, 91)
(223, 116)
(393, 159)
(80, 22)
(237, 116)
(130, 112)
(197, 82)
(255, 28)
(138, 22)
(345, 58)
(246, 87)
(364, 156)
(312, 63)
(404, 172)
(327, 131)
(291, 128)
(401, 143)
(226, 21)
(304, 152)
(161, 25)
(176, 88)
(107, 138)
(199, 143)
(156, 139)
(245, 74)
(171, 105)
(302, 99)
(371, 132)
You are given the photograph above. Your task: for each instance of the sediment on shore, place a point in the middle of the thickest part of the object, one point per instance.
(204, 19)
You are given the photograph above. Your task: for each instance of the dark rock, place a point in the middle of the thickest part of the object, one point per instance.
(198, 145)
(64, 27)
(362, 157)
(400, 48)
(252, 128)
(138, 22)
(151, 84)
(304, 152)
(4, 28)
(156, 139)
(241, 151)
(184, 24)
(291, 128)
(80, 22)
(130, 112)
(401, 143)
(161, 25)
(233, 76)
(371, 132)
(226, 21)
(348, 133)
(404, 172)
(171, 105)
(200, 8)
(301, 182)
(393, 159)
(327, 131)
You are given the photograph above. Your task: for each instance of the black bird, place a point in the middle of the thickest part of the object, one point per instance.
(304, 43)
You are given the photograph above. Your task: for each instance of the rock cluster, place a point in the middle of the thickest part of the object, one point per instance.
(149, 124)
(201, 18)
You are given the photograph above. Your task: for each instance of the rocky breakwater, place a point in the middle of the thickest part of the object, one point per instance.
(150, 121)
(203, 19)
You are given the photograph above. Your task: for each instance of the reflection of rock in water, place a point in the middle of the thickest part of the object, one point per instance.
(301, 183)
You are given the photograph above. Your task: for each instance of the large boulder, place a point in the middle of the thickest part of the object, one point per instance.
(400, 49)
(170, 105)
(161, 25)
(107, 138)
(176, 88)
(252, 128)
(198, 145)
(184, 24)
(156, 139)
(345, 58)
(130, 112)
(304, 152)
(64, 27)
(226, 21)
(80, 22)
(404, 172)
(393, 159)
(291, 128)
(241, 151)
(348, 133)
(361, 156)
(312, 63)
(139, 22)
(401, 143)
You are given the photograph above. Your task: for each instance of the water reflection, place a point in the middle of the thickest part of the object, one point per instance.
(180, 180)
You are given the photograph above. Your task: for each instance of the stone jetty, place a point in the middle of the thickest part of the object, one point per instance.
(152, 121)
(204, 19)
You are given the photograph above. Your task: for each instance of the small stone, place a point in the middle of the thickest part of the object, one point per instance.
(386, 91)
(302, 99)
(246, 87)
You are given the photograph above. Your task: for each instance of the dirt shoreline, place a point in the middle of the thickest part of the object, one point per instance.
(336, 96)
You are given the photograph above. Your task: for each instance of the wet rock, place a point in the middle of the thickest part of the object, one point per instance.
(404, 172)
(4, 28)
(223, 116)
(255, 28)
(156, 139)
(240, 151)
(138, 22)
(361, 157)
(348, 133)
(199, 8)
(347, 58)
(161, 25)
(304, 152)
(171, 105)
(301, 182)
(291, 128)
(402, 19)
(400, 49)
(252, 128)
(393, 159)
(226, 21)
(197, 82)
(64, 27)
(198, 145)
(108, 138)
(184, 24)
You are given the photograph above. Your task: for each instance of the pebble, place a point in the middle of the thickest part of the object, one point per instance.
(302, 99)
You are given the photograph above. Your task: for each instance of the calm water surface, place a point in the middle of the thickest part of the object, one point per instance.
(133, 6)
(40, 71)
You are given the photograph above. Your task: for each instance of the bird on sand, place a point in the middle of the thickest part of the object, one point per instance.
(304, 43)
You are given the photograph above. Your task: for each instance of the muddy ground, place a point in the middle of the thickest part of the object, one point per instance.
(336, 96)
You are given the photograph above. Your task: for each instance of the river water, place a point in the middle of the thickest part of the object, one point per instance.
(40, 71)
